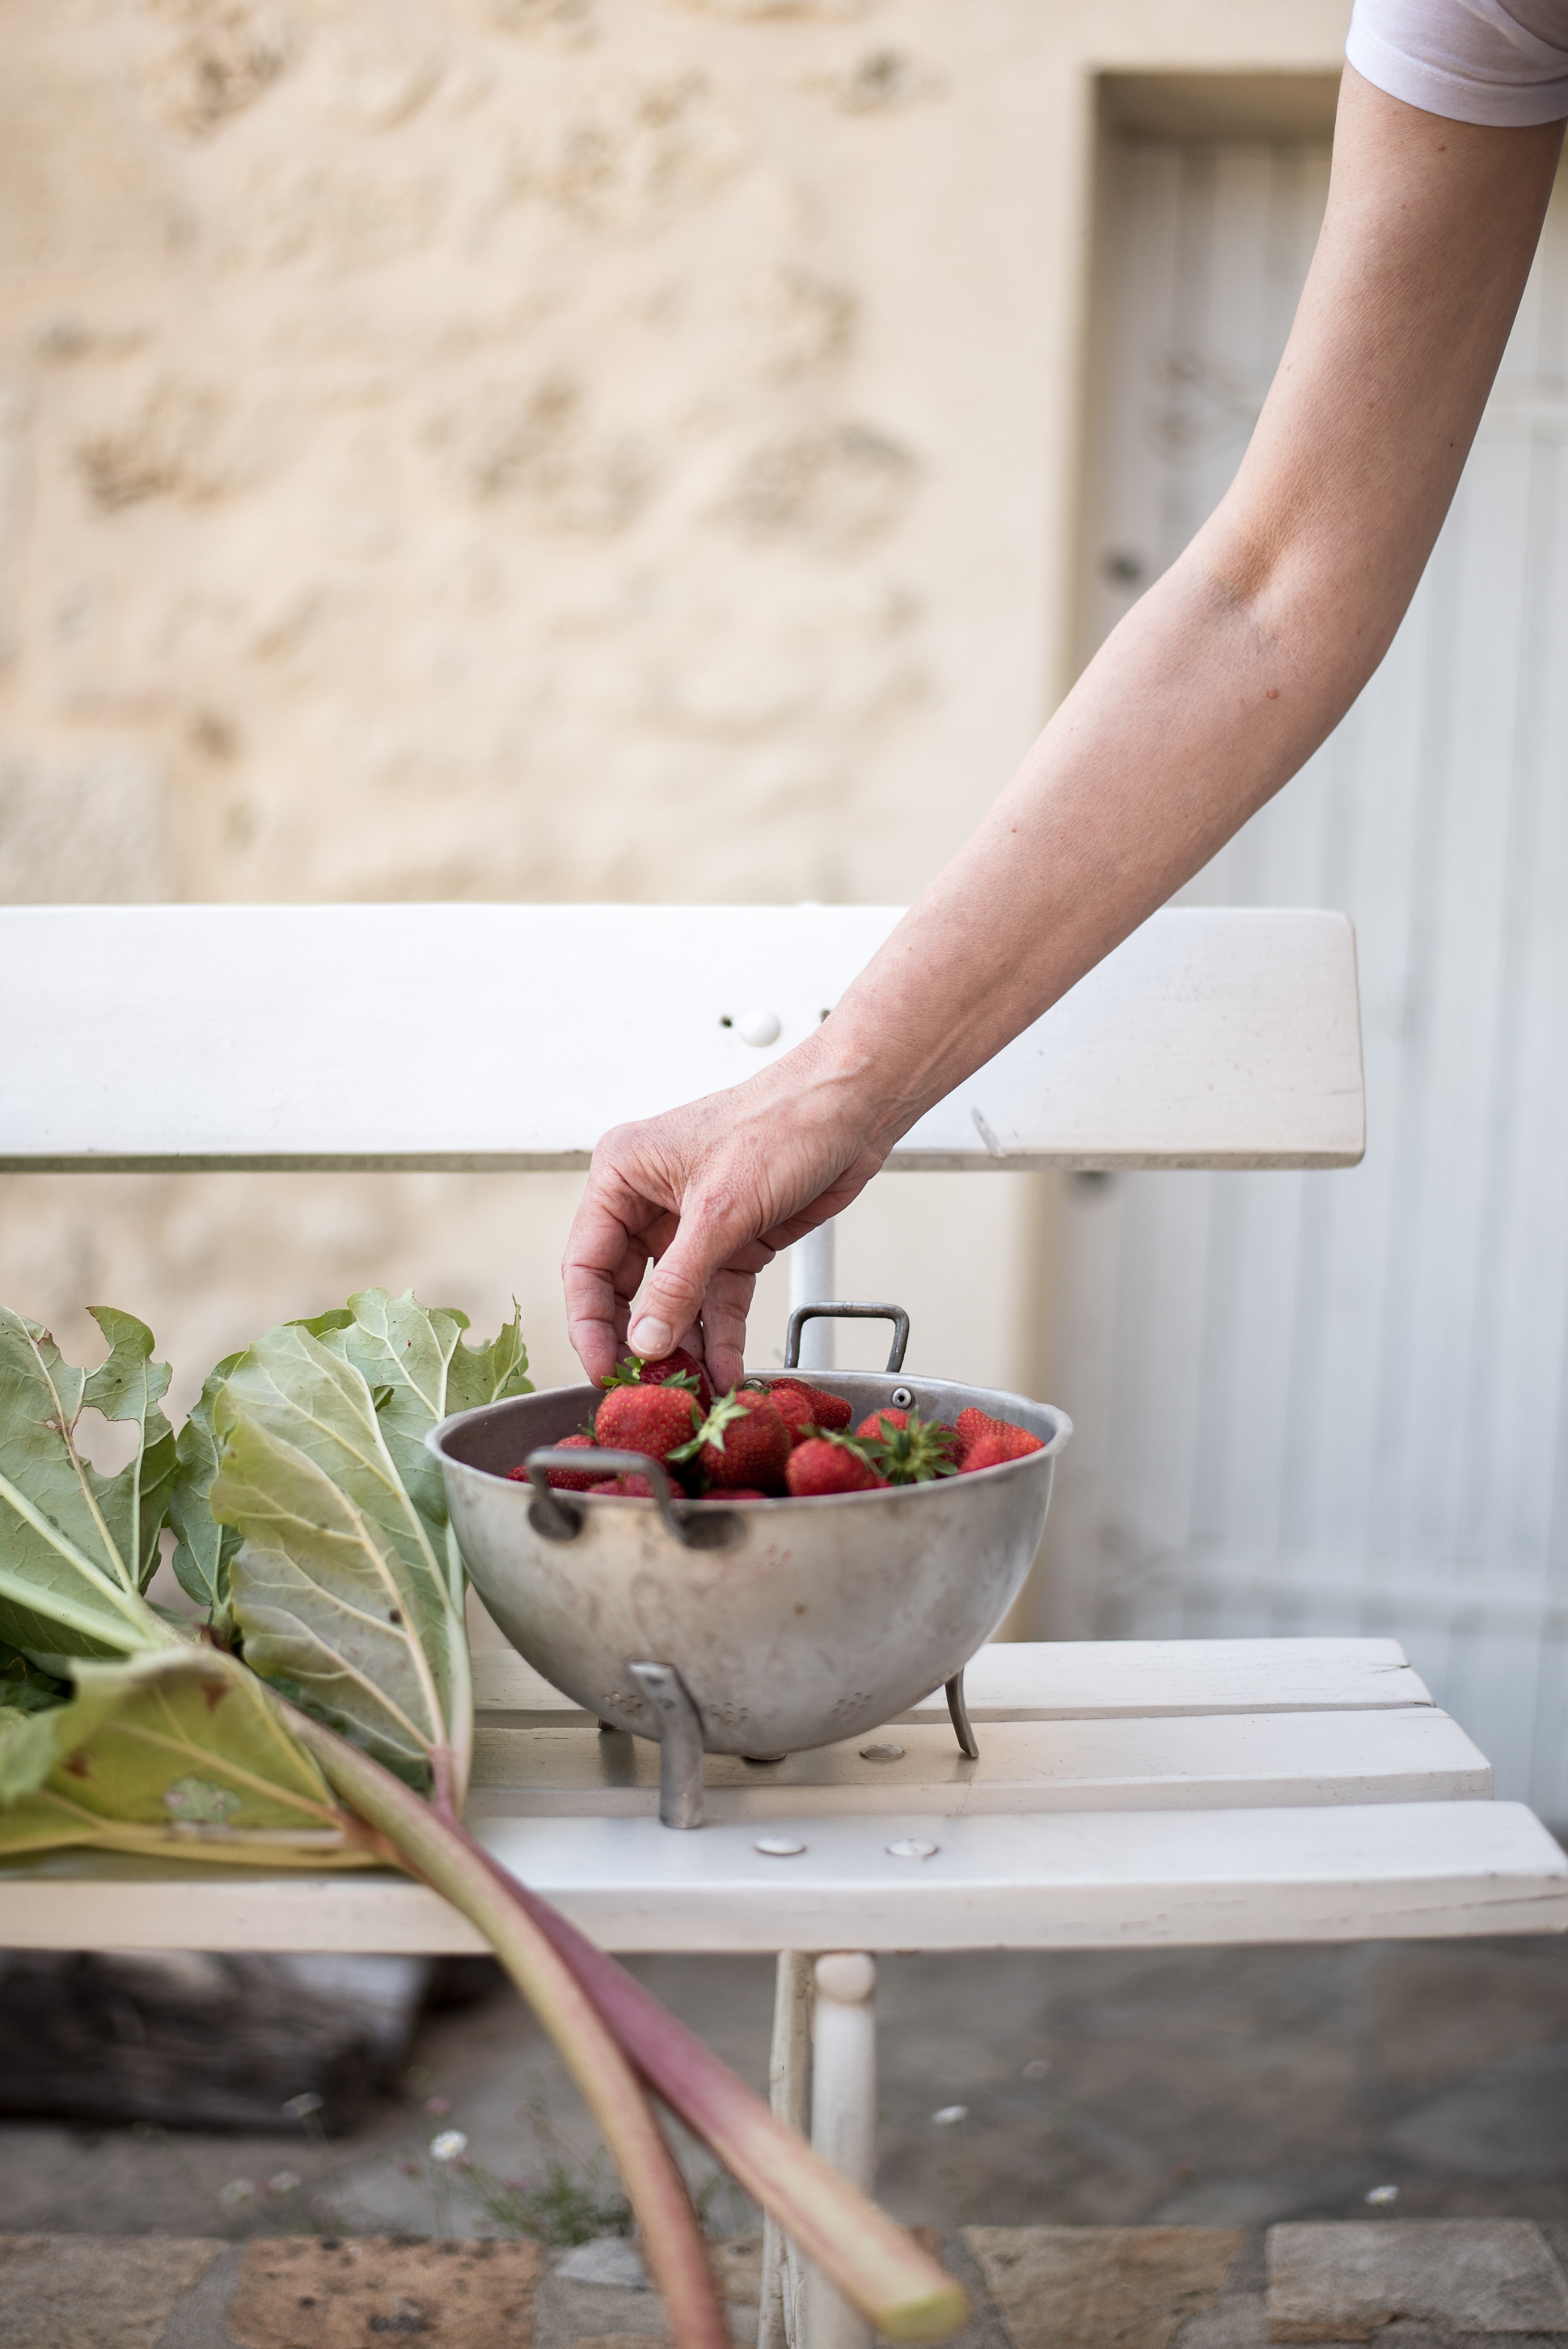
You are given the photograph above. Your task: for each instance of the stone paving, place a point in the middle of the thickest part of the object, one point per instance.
(1192, 2088)
(1185, 2149)
(1420, 2284)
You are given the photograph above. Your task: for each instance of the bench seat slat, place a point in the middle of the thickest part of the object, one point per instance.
(1181, 1763)
(1119, 1879)
(1080, 1680)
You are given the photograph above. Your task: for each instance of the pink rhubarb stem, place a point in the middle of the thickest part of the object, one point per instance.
(436, 1847)
(874, 2261)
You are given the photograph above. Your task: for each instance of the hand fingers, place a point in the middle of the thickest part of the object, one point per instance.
(724, 1312)
(612, 1236)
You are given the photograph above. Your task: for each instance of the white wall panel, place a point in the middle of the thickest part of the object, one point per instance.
(1338, 1401)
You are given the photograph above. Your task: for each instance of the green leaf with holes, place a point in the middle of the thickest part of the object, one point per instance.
(78, 1549)
(179, 1756)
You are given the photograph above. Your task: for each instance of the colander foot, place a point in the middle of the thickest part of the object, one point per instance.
(958, 1714)
(680, 1744)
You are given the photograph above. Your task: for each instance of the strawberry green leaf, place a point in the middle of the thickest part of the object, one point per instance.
(182, 1756)
(79, 1549)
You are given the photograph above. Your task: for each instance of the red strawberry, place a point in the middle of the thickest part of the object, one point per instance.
(819, 1466)
(972, 1425)
(743, 1443)
(740, 1493)
(677, 1369)
(907, 1449)
(565, 1480)
(829, 1411)
(793, 1405)
(639, 1486)
(654, 1420)
(1000, 1443)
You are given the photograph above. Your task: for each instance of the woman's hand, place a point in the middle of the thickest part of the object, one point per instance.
(710, 1192)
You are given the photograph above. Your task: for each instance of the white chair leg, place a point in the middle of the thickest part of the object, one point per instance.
(843, 2119)
(788, 2070)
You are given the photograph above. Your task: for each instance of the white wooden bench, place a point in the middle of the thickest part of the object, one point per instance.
(1139, 1794)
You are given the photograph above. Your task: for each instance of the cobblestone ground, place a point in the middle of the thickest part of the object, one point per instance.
(1212, 2088)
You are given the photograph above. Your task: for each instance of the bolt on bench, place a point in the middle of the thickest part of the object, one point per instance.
(1141, 1794)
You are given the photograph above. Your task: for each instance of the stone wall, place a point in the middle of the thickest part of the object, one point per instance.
(532, 449)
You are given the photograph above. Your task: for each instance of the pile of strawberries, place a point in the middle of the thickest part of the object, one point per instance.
(765, 1439)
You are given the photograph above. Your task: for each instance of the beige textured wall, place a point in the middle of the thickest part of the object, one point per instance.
(533, 448)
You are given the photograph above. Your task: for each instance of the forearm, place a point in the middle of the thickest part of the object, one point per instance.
(1192, 715)
(1214, 690)
(1225, 678)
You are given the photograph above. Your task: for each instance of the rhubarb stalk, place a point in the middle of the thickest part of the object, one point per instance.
(874, 2261)
(431, 1843)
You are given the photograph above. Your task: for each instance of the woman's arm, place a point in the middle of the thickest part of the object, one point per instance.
(1210, 695)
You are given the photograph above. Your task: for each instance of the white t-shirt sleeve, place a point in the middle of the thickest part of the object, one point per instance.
(1471, 60)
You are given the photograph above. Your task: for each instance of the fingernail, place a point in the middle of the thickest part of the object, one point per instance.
(650, 1339)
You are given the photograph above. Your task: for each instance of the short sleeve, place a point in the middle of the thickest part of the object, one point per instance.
(1471, 60)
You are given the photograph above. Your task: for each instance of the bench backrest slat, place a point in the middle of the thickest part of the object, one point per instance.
(509, 1036)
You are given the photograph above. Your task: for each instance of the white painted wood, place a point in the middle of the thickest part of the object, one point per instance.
(510, 1036)
(789, 2091)
(813, 1280)
(1116, 1879)
(843, 2119)
(1180, 1763)
(1315, 1405)
(1079, 1680)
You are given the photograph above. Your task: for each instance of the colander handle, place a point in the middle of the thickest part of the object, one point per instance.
(845, 1312)
(557, 1516)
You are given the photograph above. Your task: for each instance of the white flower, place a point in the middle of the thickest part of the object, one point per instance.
(238, 2190)
(950, 2116)
(1381, 2196)
(451, 2145)
(283, 2183)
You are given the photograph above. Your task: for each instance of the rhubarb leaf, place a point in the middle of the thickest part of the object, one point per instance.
(180, 1755)
(203, 1548)
(77, 1547)
(413, 1358)
(337, 1588)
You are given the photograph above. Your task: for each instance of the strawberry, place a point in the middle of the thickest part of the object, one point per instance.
(822, 1466)
(829, 1411)
(565, 1480)
(793, 1405)
(907, 1449)
(654, 1420)
(972, 1425)
(639, 1486)
(1002, 1442)
(740, 1493)
(679, 1368)
(743, 1443)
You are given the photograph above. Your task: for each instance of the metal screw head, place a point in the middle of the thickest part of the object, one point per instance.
(881, 1753)
(911, 1847)
(901, 1398)
(779, 1847)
